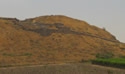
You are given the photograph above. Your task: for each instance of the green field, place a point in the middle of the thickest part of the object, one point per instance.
(114, 62)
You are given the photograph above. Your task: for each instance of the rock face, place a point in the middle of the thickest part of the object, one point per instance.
(54, 39)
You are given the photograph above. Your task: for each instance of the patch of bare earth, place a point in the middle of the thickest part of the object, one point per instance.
(62, 69)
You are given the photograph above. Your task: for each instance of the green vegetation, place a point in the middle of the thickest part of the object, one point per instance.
(122, 56)
(123, 48)
(114, 62)
(27, 54)
(104, 56)
(11, 54)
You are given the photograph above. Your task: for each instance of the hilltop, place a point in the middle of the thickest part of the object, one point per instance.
(54, 39)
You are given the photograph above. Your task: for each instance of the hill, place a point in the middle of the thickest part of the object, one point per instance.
(54, 39)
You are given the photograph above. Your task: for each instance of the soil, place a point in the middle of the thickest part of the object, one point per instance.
(79, 68)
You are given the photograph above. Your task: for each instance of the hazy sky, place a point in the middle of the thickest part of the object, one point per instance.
(102, 13)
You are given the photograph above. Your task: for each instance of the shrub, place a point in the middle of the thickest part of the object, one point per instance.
(24, 54)
(105, 55)
(114, 62)
(27, 54)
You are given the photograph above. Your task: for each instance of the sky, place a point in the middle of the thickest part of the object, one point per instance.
(108, 14)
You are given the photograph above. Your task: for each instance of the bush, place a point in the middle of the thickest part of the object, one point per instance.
(122, 56)
(104, 56)
(119, 62)
(10, 54)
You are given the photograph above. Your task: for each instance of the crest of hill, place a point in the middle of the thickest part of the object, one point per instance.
(73, 24)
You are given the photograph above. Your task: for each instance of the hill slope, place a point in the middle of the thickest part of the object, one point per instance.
(52, 39)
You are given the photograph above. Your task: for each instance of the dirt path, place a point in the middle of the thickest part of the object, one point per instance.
(62, 69)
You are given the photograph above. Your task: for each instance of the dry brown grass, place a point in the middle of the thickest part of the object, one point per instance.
(19, 46)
